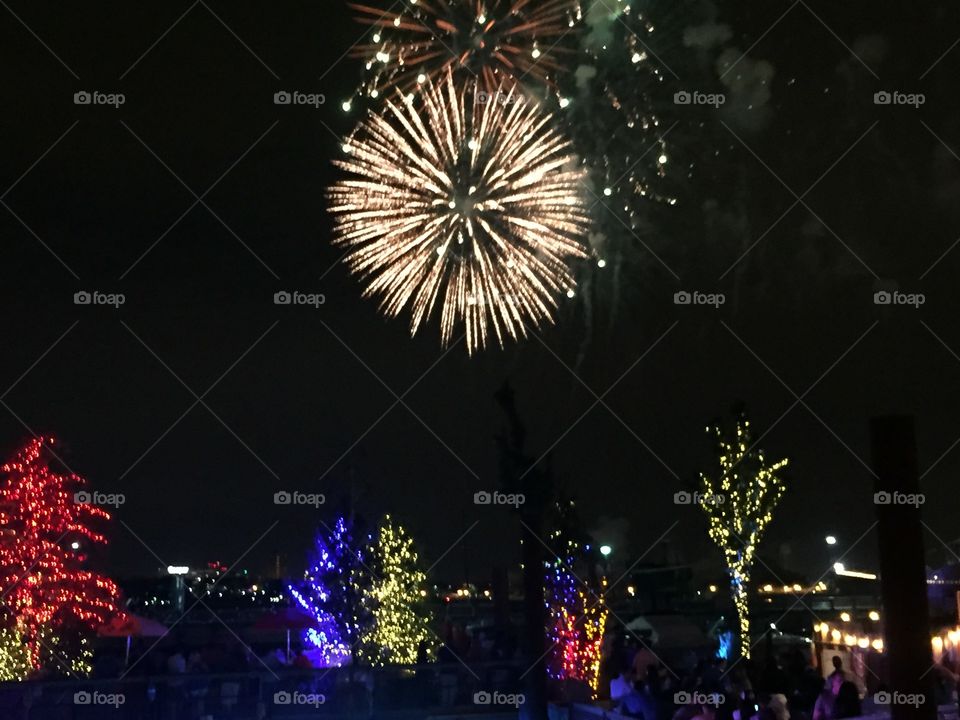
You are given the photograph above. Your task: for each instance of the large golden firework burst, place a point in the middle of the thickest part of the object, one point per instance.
(490, 40)
(477, 206)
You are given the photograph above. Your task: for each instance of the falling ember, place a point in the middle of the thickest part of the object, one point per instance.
(474, 206)
(491, 40)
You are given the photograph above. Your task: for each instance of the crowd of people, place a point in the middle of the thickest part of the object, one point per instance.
(785, 687)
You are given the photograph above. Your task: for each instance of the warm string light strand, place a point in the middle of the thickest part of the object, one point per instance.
(576, 614)
(739, 501)
(399, 629)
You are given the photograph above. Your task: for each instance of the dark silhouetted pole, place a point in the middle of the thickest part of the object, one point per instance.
(520, 474)
(902, 568)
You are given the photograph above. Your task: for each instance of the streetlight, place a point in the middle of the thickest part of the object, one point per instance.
(605, 550)
(179, 587)
(831, 540)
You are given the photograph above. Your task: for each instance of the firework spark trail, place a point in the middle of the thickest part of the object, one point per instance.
(475, 206)
(491, 40)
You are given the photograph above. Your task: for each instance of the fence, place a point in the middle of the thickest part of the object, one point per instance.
(415, 691)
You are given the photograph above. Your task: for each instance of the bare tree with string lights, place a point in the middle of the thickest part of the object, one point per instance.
(739, 496)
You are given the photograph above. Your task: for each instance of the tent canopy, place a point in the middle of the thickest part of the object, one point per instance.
(130, 625)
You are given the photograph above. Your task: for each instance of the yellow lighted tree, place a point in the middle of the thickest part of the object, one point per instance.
(14, 656)
(399, 627)
(739, 496)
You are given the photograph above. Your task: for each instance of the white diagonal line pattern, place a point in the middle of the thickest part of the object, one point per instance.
(199, 199)
(799, 200)
(199, 399)
(799, 399)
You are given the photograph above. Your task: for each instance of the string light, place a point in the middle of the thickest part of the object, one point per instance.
(399, 628)
(332, 594)
(576, 615)
(15, 661)
(50, 600)
(739, 501)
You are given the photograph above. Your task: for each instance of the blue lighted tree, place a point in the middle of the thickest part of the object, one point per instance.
(332, 592)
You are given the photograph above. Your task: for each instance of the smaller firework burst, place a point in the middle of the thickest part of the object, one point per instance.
(473, 206)
(493, 41)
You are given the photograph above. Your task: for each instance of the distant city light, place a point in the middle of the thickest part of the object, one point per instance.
(177, 569)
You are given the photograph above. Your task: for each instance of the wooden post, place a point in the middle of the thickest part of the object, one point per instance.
(903, 578)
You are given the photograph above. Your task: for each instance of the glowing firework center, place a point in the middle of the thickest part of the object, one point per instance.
(475, 206)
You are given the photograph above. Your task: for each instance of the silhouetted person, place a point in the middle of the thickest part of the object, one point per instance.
(847, 704)
(838, 676)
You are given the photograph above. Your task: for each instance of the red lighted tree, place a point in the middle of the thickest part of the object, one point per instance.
(48, 598)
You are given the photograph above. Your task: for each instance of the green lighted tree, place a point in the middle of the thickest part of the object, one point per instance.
(739, 496)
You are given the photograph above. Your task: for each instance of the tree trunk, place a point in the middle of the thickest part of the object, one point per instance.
(738, 587)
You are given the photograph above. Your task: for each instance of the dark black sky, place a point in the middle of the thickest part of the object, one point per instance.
(303, 387)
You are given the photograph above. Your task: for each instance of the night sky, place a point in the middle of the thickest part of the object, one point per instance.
(200, 398)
